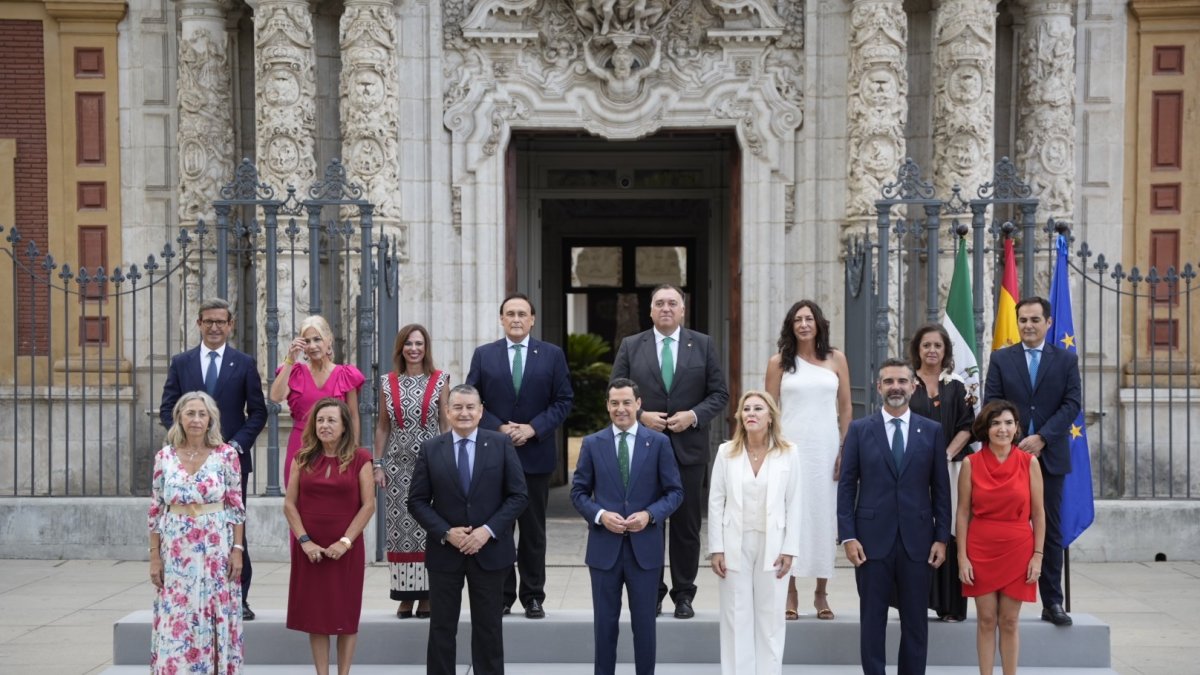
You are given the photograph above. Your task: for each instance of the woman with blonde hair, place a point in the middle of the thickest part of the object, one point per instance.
(329, 501)
(196, 524)
(754, 533)
(303, 384)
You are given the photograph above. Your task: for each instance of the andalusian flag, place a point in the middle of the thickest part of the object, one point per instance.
(960, 323)
(1077, 510)
(1006, 332)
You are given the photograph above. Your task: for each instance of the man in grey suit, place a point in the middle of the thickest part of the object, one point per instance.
(683, 389)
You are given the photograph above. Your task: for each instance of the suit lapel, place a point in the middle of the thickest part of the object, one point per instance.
(1048, 356)
(687, 352)
(648, 355)
(916, 440)
(884, 443)
(483, 448)
(641, 448)
(229, 367)
(195, 380)
(735, 466)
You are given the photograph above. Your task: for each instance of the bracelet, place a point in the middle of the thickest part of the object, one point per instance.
(1037, 553)
(347, 542)
(289, 361)
(377, 463)
(240, 547)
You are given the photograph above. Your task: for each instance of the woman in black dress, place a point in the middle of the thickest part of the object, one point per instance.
(942, 396)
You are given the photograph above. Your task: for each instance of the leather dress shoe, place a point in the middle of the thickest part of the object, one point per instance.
(506, 611)
(534, 610)
(683, 609)
(247, 613)
(1056, 615)
(658, 609)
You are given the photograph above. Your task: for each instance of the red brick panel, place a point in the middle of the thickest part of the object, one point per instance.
(89, 62)
(1164, 254)
(1168, 60)
(23, 117)
(93, 254)
(89, 128)
(91, 196)
(1166, 130)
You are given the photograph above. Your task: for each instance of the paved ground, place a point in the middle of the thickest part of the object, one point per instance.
(56, 616)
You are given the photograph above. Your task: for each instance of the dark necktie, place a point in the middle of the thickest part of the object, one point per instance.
(897, 442)
(623, 459)
(210, 375)
(518, 368)
(464, 466)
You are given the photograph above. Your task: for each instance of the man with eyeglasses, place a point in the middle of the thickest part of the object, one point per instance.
(231, 378)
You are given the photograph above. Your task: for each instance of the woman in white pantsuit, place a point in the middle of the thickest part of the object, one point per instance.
(753, 532)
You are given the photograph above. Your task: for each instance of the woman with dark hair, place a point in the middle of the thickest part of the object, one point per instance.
(196, 520)
(414, 409)
(329, 500)
(1003, 524)
(811, 381)
(941, 395)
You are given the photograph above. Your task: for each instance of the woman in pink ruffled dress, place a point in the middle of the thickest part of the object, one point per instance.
(303, 384)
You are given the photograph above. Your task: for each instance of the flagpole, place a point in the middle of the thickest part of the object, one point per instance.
(1067, 577)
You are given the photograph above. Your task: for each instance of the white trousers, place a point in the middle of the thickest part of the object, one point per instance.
(752, 620)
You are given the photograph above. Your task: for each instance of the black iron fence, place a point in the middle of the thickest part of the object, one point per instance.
(1134, 326)
(80, 389)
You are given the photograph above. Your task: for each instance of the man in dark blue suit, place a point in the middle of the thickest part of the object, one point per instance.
(467, 491)
(894, 518)
(526, 391)
(231, 378)
(626, 484)
(1042, 381)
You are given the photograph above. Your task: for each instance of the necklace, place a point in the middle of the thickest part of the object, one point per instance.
(191, 454)
(755, 456)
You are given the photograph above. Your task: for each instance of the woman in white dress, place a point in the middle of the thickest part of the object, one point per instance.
(811, 381)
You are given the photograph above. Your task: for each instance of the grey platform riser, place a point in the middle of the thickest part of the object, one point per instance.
(624, 669)
(566, 637)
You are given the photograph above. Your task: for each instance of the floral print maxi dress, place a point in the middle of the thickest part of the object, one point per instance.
(198, 612)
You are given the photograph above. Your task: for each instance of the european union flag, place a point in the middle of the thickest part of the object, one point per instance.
(1078, 511)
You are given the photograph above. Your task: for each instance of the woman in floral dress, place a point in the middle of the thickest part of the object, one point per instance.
(414, 409)
(196, 519)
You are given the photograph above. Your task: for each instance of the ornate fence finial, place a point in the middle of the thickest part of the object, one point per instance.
(335, 187)
(908, 184)
(1006, 184)
(245, 184)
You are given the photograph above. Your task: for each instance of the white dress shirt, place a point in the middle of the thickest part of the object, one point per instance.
(204, 352)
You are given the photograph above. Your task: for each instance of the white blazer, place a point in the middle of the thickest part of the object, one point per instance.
(725, 514)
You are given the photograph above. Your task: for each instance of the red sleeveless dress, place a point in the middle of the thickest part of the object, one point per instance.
(1000, 535)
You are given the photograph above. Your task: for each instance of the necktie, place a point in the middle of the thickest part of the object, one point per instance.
(623, 459)
(518, 368)
(897, 442)
(668, 363)
(210, 375)
(464, 466)
(1035, 359)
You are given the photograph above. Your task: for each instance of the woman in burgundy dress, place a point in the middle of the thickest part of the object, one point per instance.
(329, 501)
(1000, 517)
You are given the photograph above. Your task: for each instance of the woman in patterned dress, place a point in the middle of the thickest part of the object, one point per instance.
(414, 409)
(196, 519)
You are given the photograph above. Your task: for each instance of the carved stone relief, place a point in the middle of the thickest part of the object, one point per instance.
(876, 110)
(1045, 146)
(205, 134)
(286, 88)
(964, 94)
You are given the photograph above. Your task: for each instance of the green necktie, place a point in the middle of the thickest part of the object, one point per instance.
(668, 363)
(518, 368)
(623, 459)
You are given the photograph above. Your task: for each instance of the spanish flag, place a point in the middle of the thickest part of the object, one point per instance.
(1006, 310)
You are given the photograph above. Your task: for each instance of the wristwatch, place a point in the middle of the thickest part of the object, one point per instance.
(304, 539)
(237, 446)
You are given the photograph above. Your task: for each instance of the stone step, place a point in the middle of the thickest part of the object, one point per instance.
(565, 636)
(626, 669)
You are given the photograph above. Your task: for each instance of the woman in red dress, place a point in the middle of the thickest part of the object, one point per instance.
(1001, 519)
(329, 501)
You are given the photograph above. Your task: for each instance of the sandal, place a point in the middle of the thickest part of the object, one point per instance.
(824, 614)
(790, 614)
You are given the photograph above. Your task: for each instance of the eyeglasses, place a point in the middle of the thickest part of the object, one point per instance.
(214, 323)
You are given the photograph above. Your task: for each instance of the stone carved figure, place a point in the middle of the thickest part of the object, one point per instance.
(205, 133)
(285, 65)
(624, 69)
(876, 109)
(964, 93)
(1045, 110)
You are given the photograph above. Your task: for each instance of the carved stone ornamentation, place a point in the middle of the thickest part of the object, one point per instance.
(964, 94)
(876, 110)
(1045, 146)
(205, 136)
(370, 105)
(286, 90)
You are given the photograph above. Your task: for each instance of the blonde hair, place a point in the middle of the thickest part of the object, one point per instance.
(775, 440)
(176, 436)
(311, 446)
(319, 324)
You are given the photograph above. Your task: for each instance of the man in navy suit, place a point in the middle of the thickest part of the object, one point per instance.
(526, 391)
(1042, 381)
(894, 518)
(467, 491)
(626, 484)
(680, 376)
(231, 378)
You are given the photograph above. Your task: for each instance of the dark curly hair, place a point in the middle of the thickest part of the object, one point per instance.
(914, 346)
(993, 409)
(787, 335)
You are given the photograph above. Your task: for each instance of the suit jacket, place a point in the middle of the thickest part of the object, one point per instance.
(1052, 402)
(497, 496)
(877, 503)
(726, 514)
(239, 396)
(544, 402)
(654, 486)
(698, 385)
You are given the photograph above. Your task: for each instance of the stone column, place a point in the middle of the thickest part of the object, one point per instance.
(1045, 147)
(205, 134)
(964, 81)
(285, 89)
(877, 109)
